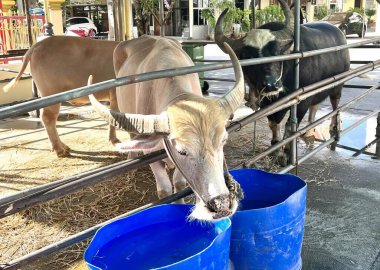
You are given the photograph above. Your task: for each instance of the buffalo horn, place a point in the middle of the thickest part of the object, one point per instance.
(232, 100)
(133, 123)
(285, 35)
(220, 38)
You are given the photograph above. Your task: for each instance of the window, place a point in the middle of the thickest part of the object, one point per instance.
(198, 5)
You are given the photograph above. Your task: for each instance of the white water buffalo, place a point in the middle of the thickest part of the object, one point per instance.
(271, 81)
(173, 109)
(61, 63)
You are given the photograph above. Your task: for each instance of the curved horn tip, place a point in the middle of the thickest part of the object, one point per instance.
(90, 79)
(225, 11)
(92, 98)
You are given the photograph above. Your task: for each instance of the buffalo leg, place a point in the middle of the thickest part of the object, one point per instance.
(310, 134)
(163, 183)
(114, 107)
(276, 137)
(49, 118)
(276, 131)
(301, 111)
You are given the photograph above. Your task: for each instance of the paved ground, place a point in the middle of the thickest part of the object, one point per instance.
(342, 229)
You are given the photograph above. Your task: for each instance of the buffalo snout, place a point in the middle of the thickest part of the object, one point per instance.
(220, 206)
(272, 84)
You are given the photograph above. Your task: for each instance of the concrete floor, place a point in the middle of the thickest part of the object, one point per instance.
(342, 228)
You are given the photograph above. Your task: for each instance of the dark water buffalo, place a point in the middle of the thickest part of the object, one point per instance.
(270, 82)
(173, 109)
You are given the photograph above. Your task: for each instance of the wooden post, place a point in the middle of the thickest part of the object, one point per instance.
(378, 137)
(162, 27)
(191, 17)
(46, 9)
(111, 20)
(30, 38)
(128, 19)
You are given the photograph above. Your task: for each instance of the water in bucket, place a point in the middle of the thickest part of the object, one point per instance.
(267, 229)
(160, 237)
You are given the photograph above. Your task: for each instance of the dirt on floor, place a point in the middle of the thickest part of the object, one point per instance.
(26, 162)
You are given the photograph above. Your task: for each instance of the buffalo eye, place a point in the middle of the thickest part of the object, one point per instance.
(182, 152)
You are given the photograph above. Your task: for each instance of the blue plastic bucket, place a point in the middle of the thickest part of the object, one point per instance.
(160, 237)
(267, 230)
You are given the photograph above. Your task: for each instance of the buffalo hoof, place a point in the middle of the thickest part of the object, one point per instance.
(62, 153)
(280, 158)
(61, 150)
(114, 141)
(309, 137)
(283, 160)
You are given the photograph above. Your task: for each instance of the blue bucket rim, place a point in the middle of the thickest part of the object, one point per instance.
(295, 177)
(189, 206)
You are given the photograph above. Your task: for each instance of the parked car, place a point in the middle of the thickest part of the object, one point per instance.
(80, 26)
(348, 22)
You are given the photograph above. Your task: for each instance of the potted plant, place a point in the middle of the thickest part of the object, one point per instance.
(370, 13)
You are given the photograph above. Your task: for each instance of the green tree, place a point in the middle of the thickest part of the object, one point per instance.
(269, 14)
(322, 12)
(144, 9)
(234, 15)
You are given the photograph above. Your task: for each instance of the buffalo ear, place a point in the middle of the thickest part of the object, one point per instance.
(286, 45)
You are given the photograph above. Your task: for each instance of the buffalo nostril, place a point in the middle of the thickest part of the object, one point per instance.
(219, 204)
(270, 87)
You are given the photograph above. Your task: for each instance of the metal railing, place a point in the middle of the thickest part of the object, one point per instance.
(14, 31)
(28, 198)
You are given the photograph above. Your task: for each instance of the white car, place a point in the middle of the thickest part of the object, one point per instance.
(80, 26)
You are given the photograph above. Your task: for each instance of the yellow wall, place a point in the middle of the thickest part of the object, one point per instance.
(347, 4)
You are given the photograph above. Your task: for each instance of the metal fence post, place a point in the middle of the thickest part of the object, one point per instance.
(378, 138)
(293, 109)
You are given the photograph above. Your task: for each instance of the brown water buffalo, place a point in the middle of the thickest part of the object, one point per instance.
(173, 112)
(61, 63)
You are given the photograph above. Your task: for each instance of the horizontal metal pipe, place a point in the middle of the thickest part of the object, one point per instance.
(4, 202)
(216, 79)
(360, 62)
(71, 240)
(66, 188)
(86, 90)
(353, 149)
(363, 150)
(375, 46)
(328, 142)
(356, 86)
